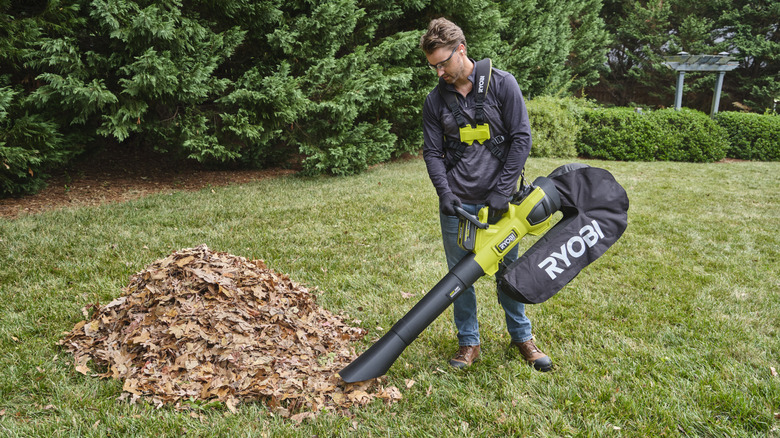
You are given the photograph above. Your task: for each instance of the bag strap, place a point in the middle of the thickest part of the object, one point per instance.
(484, 71)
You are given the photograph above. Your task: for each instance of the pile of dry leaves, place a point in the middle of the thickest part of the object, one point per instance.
(201, 325)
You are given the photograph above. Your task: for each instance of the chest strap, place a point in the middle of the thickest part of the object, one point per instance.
(480, 131)
(496, 145)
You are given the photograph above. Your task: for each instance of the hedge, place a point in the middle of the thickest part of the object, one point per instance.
(665, 135)
(554, 126)
(688, 135)
(752, 136)
(618, 134)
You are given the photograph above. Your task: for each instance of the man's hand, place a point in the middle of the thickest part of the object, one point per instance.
(447, 204)
(498, 203)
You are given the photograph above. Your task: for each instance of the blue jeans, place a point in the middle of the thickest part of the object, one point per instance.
(465, 307)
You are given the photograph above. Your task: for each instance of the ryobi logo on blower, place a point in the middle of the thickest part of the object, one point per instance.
(481, 85)
(501, 247)
(575, 247)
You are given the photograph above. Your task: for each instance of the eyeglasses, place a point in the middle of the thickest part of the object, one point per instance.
(443, 63)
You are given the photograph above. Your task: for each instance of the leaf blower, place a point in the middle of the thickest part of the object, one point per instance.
(529, 212)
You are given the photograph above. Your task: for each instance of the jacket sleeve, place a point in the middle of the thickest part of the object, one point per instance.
(433, 148)
(515, 118)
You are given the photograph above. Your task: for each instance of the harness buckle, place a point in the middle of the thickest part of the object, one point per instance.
(480, 133)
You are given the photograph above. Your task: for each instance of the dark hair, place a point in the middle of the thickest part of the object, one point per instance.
(441, 33)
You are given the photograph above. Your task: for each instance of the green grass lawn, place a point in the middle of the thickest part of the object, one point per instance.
(674, 331)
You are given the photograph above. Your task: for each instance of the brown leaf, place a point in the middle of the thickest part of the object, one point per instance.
(298, 418)
(231, 404)
(79, 325)
(185, 261)
(359, 397)
(140, 339)
(391, 394)
(92, 328)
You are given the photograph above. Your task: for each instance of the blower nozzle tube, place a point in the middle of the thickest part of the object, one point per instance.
(375, 361)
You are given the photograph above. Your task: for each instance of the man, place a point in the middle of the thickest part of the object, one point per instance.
(474, 174)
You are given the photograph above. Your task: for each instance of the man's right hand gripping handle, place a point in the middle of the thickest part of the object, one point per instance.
(447, 204)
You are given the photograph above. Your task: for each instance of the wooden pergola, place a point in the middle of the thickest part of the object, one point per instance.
(683, 62)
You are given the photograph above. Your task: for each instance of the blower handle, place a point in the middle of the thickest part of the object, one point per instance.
(471, 218)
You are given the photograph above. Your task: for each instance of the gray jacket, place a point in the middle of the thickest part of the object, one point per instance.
(479, 171)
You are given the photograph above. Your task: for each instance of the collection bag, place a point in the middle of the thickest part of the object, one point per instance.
(595, 215)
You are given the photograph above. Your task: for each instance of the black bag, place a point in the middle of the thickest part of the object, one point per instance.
(594, 208)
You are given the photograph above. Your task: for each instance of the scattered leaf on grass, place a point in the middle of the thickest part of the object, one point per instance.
(298, 418)
(390, 394)
(203, 325)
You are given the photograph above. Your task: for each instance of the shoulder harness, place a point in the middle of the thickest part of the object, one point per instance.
(480, 132)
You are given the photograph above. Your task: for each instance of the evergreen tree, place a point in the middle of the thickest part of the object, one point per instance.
(553, 47)
(340, 82)
(645, 31)
(31, 143)
(752, 29)
(638, 31)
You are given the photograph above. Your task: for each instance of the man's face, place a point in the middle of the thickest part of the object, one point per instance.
(447, 62)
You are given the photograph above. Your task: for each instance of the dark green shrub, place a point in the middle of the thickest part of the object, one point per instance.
(339, 83)
(618, 134)
(688, 135)
(29, 147)
(32, 142)
(554, 127)
(752, 136)
(665, 135)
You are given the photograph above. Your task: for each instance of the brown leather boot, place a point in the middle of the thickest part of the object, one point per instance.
(466, 355)
(534, 356)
